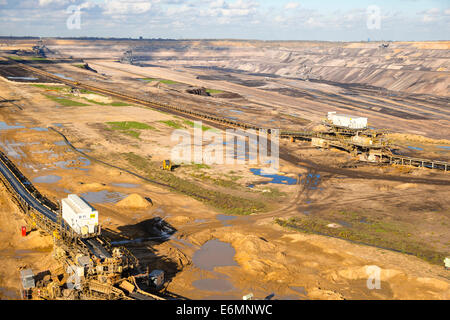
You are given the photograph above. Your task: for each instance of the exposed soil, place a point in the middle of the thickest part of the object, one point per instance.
(383, 206)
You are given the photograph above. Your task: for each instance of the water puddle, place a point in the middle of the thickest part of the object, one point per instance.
(125, 185)
(5, 126)
(236, 111)
(41, 129)
(12, 149)
(6, 293)
(23, 78)
(300, 290)
(73, 164)
(215, 285)
(214, 253)
(103, 196)
(415, 148)
(276, 178)
(444, 147)
(62, 76)
(47, 179)
(60, 143)
(224, 219)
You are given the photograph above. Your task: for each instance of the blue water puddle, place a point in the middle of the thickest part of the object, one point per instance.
(5, 126)
(62, 76)
(236, 111)
(23, 78)
(214, 253)
(415, 148)
(276, 178)
(39, 129)
(125, 185)
(84, 162)
(224, 219)
(47, 179)
(59, 125)
(444, 147)
(60, 143)
(103, 196)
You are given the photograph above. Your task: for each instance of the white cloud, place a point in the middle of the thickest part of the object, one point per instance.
(292, 5)
(125, 7)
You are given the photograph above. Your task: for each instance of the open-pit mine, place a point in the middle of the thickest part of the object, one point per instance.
(95, 204)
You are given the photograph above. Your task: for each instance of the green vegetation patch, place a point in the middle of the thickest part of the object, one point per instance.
(386, 235)
(172, 124)
(113, 104)
(225, 202)
(213, 91)
(53, 88)
(192, 125)
(66, 102)
(165, 81)
(130, 128)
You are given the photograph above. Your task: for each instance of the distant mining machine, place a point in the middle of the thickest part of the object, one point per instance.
(127, 57)
(352, 133)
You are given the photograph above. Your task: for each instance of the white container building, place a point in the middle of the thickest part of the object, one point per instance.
(80, 216)
(347, 121)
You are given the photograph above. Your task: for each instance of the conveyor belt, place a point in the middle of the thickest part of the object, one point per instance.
(21, 191)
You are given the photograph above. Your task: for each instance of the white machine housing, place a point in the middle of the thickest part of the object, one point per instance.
(80, 216)
(347, 121)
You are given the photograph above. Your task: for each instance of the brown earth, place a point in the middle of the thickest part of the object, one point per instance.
(403, 205)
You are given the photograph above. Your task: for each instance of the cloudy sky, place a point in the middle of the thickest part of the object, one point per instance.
(332, 20)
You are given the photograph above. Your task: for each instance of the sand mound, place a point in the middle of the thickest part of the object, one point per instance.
(134, 201)
(406, 186)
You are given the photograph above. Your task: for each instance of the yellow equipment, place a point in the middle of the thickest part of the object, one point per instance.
(167, 165)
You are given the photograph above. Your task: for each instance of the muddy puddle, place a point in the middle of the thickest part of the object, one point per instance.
(214, 253)
(23, 78)
(73, 164)
(214, 285)
(103, 196)
(5, 126)
(13, 149)
(9, 294)
(47, 179)
(62, 76)
(276, 178)
(224, 219)
(125, 185)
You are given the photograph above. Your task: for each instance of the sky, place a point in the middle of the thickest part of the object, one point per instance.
(326, 20)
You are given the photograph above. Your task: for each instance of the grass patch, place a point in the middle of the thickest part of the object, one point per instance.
(130, 127)
(66, 102)
(113, 104)
(53, 88)
(226, 203)
(172, 124)
(192, 125)
(165, 81)
(213, 91)
(374, 233)
(126, 125)
(38, 59)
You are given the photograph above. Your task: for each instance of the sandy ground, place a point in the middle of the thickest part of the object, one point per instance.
(267, 259)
